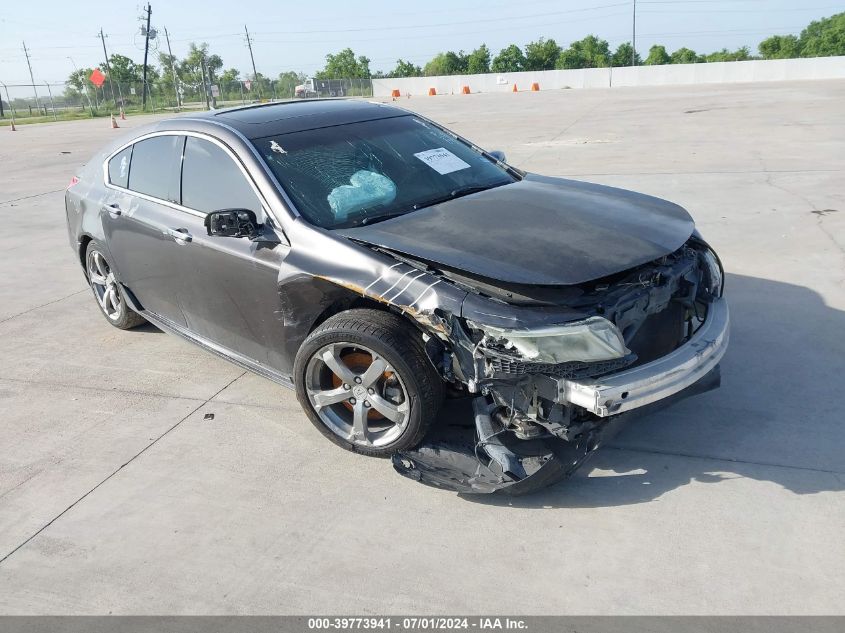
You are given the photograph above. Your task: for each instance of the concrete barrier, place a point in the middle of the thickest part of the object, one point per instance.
(671, 74)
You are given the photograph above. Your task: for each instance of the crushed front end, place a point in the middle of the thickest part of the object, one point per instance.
(554, 372)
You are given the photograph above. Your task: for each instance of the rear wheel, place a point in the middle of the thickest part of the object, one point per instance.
(366, 383)
(107, 290)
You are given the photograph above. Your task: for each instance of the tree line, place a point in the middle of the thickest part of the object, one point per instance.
(823, 37)
(199, 65)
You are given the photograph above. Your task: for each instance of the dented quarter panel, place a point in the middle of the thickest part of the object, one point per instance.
(324, 269)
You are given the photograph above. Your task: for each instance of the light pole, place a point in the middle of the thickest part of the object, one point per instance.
(634, 37)
(84, 85)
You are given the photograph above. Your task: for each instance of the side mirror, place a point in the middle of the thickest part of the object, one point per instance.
(498, 154)
(232, 223)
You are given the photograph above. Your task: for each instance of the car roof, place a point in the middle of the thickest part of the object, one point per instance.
(271, 119)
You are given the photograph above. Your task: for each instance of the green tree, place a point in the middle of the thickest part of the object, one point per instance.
(686, 56)
(724, 55)
(78, 81)
(77, 84)
(405, 69)
(447, 63)
(261, 86)
(657, 56)
(288, 81)
(190, 68)
(478, 61)
(344, 65)
(541, 55)
(123, 69)
(509, 60)
(780, 47)
(230, 76)
(590, 52)
(825, 37)
(624, 54)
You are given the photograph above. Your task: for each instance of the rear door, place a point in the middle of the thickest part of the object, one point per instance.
(139, 218)
(228, 285)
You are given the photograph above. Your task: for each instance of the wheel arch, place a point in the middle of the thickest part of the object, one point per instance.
(357, 302)
(83, 242)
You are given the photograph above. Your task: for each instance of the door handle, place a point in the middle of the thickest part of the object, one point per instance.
(113, 209)
(181, 236)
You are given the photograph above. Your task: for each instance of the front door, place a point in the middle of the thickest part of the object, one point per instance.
(228, 286)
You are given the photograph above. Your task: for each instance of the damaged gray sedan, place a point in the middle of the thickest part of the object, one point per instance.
(378, 263)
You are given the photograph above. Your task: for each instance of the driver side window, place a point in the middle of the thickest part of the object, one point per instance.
(211, 180)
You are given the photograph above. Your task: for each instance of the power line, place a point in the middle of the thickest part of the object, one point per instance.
(426, 26)
(735, 10)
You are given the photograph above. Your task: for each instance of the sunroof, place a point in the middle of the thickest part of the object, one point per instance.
(295, 109)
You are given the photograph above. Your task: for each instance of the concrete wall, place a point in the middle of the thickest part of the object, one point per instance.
(716, 72)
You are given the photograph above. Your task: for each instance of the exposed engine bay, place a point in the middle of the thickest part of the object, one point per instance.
(526, 426)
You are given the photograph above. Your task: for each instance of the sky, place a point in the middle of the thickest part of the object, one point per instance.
(297, 36)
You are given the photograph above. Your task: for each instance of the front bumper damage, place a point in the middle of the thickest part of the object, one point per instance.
(483, 458)
(658, 379)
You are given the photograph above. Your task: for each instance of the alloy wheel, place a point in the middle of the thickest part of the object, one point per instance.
(357, 394)
(104, 286)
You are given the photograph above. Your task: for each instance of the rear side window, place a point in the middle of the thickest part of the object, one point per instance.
(155, 167)
(119, 168)
(212, 181)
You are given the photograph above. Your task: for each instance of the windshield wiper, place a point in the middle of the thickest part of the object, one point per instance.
(455, 193)
(384, 216)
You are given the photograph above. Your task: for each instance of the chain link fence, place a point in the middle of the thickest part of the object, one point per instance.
(28, 103)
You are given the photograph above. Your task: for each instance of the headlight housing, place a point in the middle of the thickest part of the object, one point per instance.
(712, 273)
(591, 340)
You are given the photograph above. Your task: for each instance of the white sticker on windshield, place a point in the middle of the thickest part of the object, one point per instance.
(441, 160)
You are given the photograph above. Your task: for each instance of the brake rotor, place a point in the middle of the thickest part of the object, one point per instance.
(359, 362)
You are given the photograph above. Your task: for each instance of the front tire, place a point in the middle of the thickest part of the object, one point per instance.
(366, 383)
(108, 291)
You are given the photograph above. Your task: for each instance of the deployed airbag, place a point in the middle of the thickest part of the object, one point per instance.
(365, 189)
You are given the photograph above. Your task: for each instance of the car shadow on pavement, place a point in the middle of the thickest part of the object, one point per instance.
(776, 417)
(147, 328)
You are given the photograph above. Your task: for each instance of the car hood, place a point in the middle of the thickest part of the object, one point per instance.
(540, 230)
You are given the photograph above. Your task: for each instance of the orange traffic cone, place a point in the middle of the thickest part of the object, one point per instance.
(535, 87)
(122, 115)
(514, 88)
(465, 90)
(14, 129)
(432, 92)
(395, 93)
(114, 123)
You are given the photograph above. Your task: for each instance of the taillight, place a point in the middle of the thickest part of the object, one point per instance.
(72, 182)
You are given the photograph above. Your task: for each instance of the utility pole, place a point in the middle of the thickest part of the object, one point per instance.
(205, 84)
(634, 38)
(173, 71)
(146, 52)
(108, 68)
(31, 78)
(254, 72)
